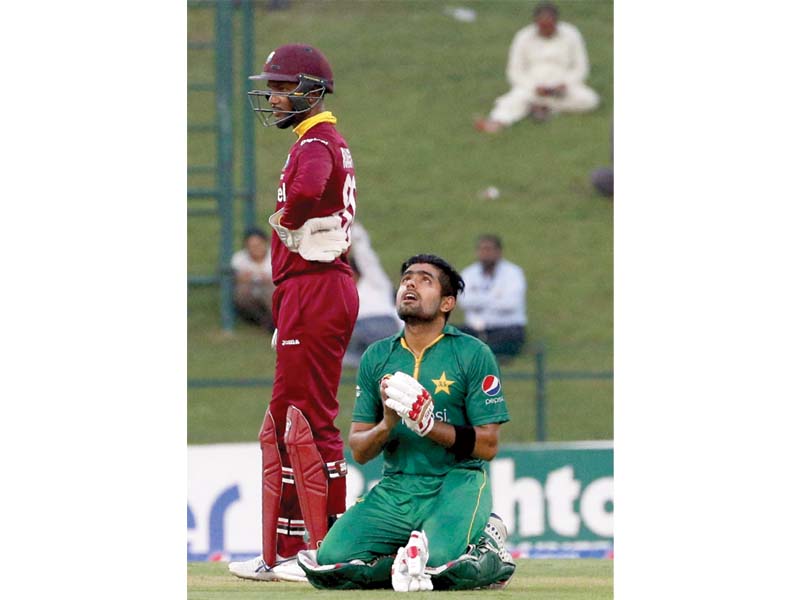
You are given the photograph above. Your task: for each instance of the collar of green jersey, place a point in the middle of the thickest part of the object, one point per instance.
(448, 330)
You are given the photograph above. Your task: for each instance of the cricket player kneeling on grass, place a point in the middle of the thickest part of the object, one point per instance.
(429, 400)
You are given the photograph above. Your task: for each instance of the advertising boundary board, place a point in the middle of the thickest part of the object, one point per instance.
(555, 498)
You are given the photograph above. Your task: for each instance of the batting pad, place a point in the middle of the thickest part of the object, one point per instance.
(310, 475)
(353, 575)
(271, 489)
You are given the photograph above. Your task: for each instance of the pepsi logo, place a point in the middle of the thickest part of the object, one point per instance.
(491, 385)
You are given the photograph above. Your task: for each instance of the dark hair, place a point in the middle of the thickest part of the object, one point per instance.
(545, 7)
(251, 231)
(491, 238)
(450, 280)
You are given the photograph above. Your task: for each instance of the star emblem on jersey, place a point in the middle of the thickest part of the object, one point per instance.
(442, 384)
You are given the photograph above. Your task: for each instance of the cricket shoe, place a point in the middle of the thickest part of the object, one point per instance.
(408, 570)
(494, 539)
(289, 570)
(495, 536)
(285, 569)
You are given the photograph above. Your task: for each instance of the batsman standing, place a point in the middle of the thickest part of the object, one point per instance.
(430, 399)
(315, 305)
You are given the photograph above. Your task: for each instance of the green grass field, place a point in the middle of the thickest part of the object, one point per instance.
(551, 579)
(409, 80)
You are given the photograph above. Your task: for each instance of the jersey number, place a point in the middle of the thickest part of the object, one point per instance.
(349, 200)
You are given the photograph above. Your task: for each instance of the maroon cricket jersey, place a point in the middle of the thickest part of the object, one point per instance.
(318, 180)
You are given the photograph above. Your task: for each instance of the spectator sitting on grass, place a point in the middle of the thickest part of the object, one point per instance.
(494, 299)
(547, 68)
(253, 270)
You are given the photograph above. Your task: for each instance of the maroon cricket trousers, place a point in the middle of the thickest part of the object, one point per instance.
(315, 314)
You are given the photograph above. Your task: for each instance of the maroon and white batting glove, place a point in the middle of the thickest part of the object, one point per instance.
(409, 399)
(320, 239)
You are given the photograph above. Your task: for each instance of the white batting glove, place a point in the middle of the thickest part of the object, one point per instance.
(290, 237)
(324, 239)
(319, 239)
(409, 399)
(408, 570)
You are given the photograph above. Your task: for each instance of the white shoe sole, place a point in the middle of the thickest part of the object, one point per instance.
(287, 570)
(291, 578)
(290, 571)
(253, 575)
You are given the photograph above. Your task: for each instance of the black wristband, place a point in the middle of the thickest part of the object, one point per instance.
(465, 442)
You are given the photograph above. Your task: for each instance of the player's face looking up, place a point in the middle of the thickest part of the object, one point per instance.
(419, 297)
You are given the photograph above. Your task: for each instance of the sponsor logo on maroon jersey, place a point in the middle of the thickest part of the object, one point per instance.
(347, 158)
(282, 193)
(309, 140)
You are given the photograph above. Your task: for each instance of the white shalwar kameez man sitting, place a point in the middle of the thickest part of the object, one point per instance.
(547, 69)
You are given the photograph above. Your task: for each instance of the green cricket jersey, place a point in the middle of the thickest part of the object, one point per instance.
(461, 374)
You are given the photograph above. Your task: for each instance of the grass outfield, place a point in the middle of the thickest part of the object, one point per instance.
(552, 579)
(409, 79)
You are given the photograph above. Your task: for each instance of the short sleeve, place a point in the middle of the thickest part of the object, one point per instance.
(485, 402)
(239, 260)
(368, 407)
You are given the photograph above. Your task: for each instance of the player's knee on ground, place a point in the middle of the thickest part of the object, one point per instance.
(480, 569)
(347, 576)
(337, 547)
(328, 554)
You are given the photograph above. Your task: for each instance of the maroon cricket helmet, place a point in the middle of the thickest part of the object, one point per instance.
(288, 62)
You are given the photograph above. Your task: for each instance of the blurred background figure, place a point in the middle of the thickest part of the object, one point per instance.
(603, 178)
(494, 299)
(547, 67)
(377, 316)
(603, 181)
(253, 270)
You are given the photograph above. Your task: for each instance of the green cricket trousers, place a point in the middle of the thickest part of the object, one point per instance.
(452, 510)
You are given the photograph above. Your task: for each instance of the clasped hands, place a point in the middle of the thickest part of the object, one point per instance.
(409, 399)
